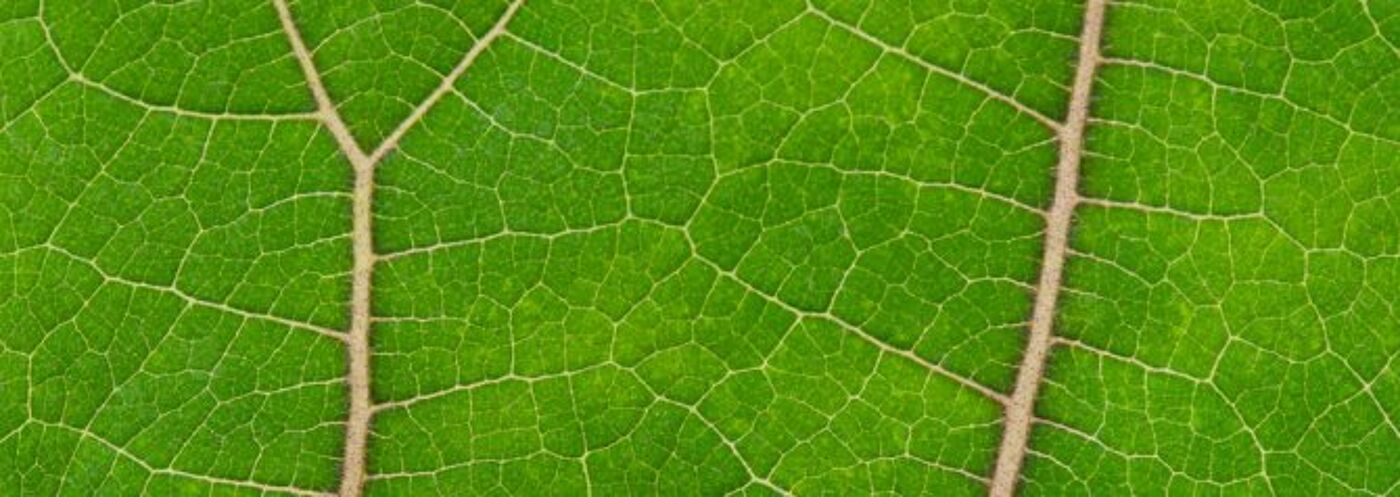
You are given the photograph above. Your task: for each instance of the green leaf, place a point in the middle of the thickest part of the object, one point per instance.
(846, 247)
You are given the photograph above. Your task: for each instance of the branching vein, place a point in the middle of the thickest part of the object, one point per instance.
(1021, 409)
(362, 242)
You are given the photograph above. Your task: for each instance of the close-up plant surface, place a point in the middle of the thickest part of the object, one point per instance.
(669, 247)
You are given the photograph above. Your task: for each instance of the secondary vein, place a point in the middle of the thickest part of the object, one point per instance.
(1020, 412)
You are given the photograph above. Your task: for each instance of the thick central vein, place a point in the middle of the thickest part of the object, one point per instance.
(362, 271)
(361, 408)
(1021, 410)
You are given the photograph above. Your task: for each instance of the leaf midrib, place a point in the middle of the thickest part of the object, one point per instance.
(1020, 412)
(358, 378)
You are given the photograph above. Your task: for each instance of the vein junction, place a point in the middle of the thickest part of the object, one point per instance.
(798, 254)
(1020, 411)
(361, 409)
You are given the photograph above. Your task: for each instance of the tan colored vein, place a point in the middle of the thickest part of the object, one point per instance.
(324, 106)
(119, 450)
(447, 83)
(76, 75)
(362, 243)
(1021, 410)
(361, 409)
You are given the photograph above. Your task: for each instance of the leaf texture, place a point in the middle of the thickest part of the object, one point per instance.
(587, 247)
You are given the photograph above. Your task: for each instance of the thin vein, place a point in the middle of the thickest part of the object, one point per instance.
(909, 178)
(904, 54)
(843, 324)
(1218, 86)
(193, 300)
(1021, 409)
(76, 75)
(859, 333)
(263, 487)
(83, 80)
(574, 65)
(1169, 211)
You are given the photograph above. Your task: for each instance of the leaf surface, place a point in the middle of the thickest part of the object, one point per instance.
(699, 248)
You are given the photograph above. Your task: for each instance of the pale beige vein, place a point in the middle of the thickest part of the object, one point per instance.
(1020, 410)
(361, 409)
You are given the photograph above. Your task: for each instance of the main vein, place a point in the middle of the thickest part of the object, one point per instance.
(1021, 409)
(362, 243)
(361, 409)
